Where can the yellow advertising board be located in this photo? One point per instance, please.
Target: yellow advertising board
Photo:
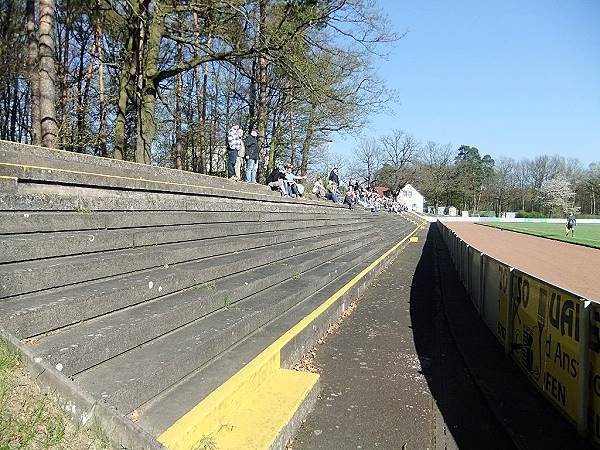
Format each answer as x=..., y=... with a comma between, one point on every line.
x=503, y=274
x=594, y=406
x=546, y=339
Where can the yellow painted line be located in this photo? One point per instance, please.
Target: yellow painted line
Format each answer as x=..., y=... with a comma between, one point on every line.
x=119, y=177
x=2, y=177
x=415, y=238
x=188, y=430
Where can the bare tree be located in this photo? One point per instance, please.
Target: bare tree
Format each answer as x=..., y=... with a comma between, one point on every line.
x=400, y=152
x=503, y=184
x=434, y=173
x=367, y=160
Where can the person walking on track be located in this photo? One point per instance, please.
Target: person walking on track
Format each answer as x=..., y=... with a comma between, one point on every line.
x=570, y=226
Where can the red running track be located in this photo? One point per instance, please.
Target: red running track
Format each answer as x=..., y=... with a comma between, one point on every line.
x=572, y=267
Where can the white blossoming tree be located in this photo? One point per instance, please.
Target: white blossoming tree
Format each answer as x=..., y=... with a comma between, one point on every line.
x=558, y=195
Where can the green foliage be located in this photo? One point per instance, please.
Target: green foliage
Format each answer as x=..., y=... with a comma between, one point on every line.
x=531, y=215
x=487, y=213
x=471, y=171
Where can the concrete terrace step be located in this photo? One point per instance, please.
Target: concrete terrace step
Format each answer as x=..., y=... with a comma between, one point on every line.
x=131, y=379
x=43, y=157
x=36, y=313
x=51, y=221
x=140, y=287
x=23, y=247
x=49, y=197
x=27, y=175
x=197, y=399
x=89, y=343
x=31, y=276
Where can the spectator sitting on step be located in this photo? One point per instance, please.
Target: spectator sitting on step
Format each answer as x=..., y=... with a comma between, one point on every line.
x=332, y=193
x=290, y=179
x=276, y=180
x=318, y=188
x=350, y=199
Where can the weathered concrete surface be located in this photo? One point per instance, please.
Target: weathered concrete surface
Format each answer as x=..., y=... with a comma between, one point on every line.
x=163, y=410
x=32, y=314
x=29, y=246
x=130, y=380
x=13, y=153
x=391, y=376
x=124, y=281
x=98, y=340
x=36, y=275
x=51, y=221
x=50, y=197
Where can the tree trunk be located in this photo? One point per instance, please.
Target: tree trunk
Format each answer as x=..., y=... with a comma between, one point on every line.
x=262, y=93
x=150, y=42
x=64, y=84
x=49, y=126
x=14, y=111
x=292, y=139
x=84, y=102
x=102, y=150
x=178, y=98
x=203, y=127
x=34, y=75
x=123, y=98
x=201, y=91
x=252, y=96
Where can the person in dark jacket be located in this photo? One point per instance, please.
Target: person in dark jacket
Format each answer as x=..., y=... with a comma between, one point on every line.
x=571, y=224
x=334, y=182
x=333, y=176
x=251, y=156
x=276, y=180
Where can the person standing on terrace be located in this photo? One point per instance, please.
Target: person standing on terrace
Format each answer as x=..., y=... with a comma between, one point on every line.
x=234, y=142
x=251, y=145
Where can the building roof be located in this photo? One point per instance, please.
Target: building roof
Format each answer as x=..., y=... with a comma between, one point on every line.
x=381, y=190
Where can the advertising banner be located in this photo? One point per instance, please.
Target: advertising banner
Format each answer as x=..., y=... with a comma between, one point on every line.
x=594, y=406
x=502, y=322
x=546, y=339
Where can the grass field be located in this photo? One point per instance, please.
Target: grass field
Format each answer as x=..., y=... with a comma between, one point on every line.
x=585, y=233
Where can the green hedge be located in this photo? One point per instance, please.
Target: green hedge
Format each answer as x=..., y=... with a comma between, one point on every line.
x=531, y=215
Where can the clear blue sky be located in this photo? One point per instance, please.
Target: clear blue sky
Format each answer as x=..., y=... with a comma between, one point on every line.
x=513, y=78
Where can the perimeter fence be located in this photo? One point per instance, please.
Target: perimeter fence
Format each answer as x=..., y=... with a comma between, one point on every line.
x=553, y=335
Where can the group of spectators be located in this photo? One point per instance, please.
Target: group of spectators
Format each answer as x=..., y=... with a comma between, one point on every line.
x=284, y=180
x=243, y=148
x=355, y=195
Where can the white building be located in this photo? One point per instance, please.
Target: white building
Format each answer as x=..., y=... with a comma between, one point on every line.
x=411, y=198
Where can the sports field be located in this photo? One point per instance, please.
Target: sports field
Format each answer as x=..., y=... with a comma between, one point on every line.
x=585, y=233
